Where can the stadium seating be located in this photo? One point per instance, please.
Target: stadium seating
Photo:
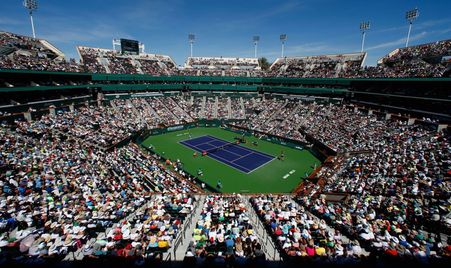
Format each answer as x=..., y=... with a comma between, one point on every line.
x=64, y=192
x=77, y=185
x=299, y=234
x=110, y=61
x=219, y=66
x=427, y=60
x=317, y=66
x=222, y=63
x=23, y=52
x=224, y=230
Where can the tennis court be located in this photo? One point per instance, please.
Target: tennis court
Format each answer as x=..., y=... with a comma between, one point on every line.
x=229, y=153
x=272, y=177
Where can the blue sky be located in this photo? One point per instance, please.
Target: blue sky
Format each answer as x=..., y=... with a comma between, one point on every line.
x=225, y=28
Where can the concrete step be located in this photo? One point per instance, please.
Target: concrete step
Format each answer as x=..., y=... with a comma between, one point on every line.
x=272, y=254
x=187, y=231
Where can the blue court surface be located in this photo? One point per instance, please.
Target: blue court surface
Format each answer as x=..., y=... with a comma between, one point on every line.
x=235, y=155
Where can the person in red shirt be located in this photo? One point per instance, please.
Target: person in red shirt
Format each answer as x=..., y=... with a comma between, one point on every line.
x=391, y=252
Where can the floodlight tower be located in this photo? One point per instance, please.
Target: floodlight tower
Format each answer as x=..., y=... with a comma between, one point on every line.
x=411, y=16
x=283, y=38
x=191, y=38
x=31, y=5
x=116, y=43
x=364, y=27
x=256, y=39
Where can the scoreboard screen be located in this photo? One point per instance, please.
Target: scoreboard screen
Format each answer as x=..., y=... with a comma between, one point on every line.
x=129, y=46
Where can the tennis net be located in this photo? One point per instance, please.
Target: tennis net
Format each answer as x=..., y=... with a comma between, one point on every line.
x=222, y=147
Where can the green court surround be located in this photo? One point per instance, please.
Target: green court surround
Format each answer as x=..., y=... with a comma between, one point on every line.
x=269, y=178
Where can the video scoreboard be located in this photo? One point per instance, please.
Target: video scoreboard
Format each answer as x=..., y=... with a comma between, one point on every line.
x=129, y=46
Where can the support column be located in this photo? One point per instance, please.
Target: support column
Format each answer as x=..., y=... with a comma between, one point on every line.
x=27, y=116
x=99, y=99
x=441, y=127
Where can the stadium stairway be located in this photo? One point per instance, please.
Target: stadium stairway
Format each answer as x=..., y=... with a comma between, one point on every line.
x=114, y=107
x=168, y=109
x=277, y=111
x=181, y=110
x=216, y=107
x=79, y=253
x=304, y=120
x=105, y=63
x=137, y=65
x=202, y=113
x=294, y=111
x=135, y=111
x=229, y=108
x=272, y=254
x=180, y=248
x=130, y=104
x=242, y=107
x=151, y=109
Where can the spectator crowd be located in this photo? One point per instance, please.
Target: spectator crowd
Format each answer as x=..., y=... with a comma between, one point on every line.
x=223, y=234
x=427, y=60
x=67, y=188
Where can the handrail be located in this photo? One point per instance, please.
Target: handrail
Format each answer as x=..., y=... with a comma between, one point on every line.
x=168, y=258
x=181, y=235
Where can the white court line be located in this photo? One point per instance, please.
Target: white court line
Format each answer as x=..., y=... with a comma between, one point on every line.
x=242, y=157
x=208, y=136
x=207, y=142
x=251, y=151
x=239, y=155
x=217, y=147
x=225, y=161
x=233, y=153
x=248, y=149
x=264, y=164
x=195, y=146
x=250, y=170
x=228, y=163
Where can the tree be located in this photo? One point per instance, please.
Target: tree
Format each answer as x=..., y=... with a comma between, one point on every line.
x=264, y=64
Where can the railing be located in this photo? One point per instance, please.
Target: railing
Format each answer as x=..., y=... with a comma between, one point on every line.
x=168, y=258
x=266, y=239
x=182, y=232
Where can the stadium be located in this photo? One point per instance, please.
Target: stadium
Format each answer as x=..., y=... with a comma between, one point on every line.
x=128, y=158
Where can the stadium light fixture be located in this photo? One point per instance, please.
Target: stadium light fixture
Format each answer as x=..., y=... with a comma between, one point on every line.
x=116, y=42
x=364, y=27
x=283, y=39
x=256, y=39
x=411, y=16
x=191, y=38
x=31, y=5
x=142, y=48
